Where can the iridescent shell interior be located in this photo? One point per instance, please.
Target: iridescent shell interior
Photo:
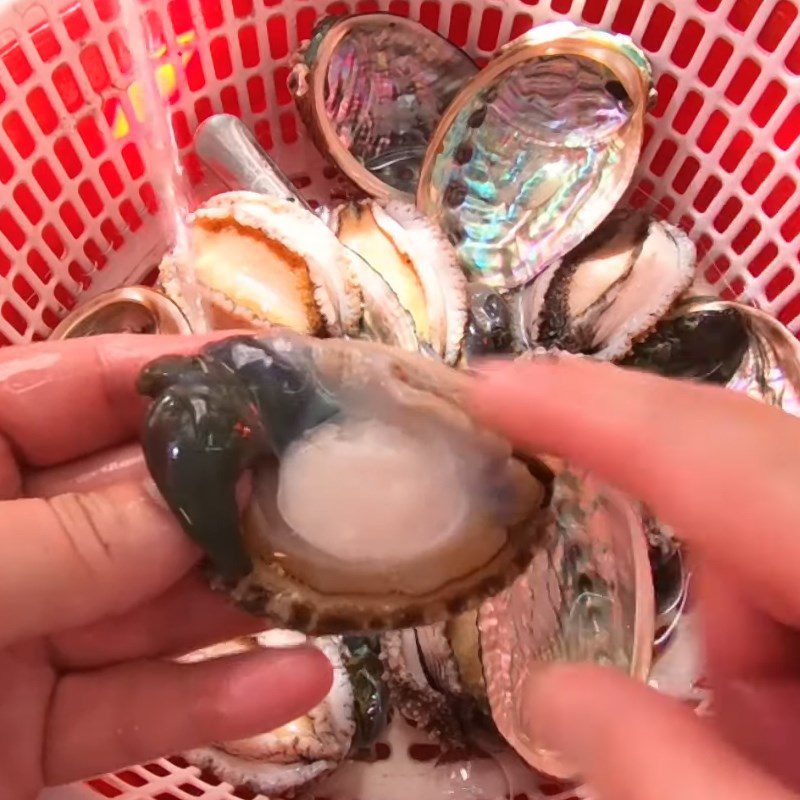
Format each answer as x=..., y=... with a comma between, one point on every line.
x=534, y=159
x=387, y=83
x=586, y=597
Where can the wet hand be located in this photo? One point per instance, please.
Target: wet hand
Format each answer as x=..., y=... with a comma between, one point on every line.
x=99, y=587
x=724, y=472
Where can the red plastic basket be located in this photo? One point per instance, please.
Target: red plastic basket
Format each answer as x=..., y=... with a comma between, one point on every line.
x=80, y=210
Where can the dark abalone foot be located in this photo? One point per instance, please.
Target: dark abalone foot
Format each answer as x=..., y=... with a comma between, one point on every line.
x=707, y=346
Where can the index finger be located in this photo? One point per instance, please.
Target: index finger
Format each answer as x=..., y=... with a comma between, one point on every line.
x=721, y=468
x=66, y=399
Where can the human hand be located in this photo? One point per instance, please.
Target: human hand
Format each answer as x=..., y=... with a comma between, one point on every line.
x=99, y=585
x=724, y=472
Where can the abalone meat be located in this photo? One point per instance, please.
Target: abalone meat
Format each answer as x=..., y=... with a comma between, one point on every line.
x=284, y=760
x=259, y=260
x=610, y=290
x=376, y=503
x=418, y=263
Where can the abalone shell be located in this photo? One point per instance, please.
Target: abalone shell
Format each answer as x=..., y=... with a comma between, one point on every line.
x=536, y=151
x=372, y=88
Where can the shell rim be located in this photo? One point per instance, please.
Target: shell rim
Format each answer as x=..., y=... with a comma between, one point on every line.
x=644, y=620
x=575, y=41
x=165, y=313
x=353, y=169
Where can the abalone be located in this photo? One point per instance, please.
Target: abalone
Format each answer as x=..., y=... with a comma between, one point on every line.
x=610, y=290
x=371, y=89
x=725, y=343
x=418, y=264
x=536, y=150
x=377, y=502
x=258, y=260
x=281, y=761
x=131, y=309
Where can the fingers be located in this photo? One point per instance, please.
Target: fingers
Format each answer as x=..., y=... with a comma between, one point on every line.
x=740, y=640
x=77, y=558
x=720, y=468
x=115, y=465
x=62, y=400
x=762, y=718
x=186, y=617
x=122, y=715
x=630, y=743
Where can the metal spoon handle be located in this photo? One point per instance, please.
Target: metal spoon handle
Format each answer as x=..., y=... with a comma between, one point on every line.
x=228, y=148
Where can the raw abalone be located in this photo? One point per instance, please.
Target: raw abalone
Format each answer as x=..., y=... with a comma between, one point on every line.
x=536, y=150
x=231, y=151
x=260, y=260
x=417, y=262
x=371, y=89
x=610, y=290
x=587, y=596
x=413, y=690
x=435, y=678
x=376, y=503
x=726, y=343
x=281, y=761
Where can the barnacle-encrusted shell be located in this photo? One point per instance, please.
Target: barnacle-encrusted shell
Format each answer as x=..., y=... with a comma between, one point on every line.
x=536, y=150
x=417, y=262
x=587, y=596
x=263, y=260
x=370, y=89
x=611, y=289
x=281, y=761
x=396, y=510
x=727, y=343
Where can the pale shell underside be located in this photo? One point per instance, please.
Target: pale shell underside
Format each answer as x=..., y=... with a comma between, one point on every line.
x=418, y=513
x=531, y=165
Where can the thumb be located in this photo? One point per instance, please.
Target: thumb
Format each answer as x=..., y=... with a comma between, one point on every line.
x=630, y=743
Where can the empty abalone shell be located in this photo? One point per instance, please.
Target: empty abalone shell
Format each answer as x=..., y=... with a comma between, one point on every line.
x=536, y=150
x=371, y=89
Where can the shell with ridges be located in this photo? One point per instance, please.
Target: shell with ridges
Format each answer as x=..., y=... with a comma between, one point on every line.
x=377, y=138
x=587, y=596
x=536, y=150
